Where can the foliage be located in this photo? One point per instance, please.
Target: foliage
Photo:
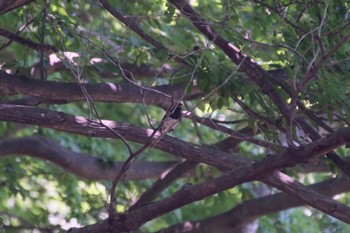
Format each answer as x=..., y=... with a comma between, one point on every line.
x=291, y=36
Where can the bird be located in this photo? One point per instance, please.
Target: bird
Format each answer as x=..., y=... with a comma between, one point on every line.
x=170, y=121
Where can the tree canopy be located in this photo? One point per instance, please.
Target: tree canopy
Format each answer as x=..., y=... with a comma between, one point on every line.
x=87, y=88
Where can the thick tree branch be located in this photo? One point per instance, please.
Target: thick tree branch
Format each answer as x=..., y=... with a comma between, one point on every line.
x=80, y=125
x=179, y=170
x=235, y=170
x=79, y=164
x=140, y=71
x=60, y=92
x=254, y=71
x=189, y=193
x=249, y=210
x=244, y=170
x=83, y=126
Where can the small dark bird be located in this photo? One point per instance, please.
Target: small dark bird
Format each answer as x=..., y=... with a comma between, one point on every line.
x=171, y=121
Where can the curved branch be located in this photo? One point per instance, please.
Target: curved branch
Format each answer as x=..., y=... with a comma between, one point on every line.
x=79, y=164
x=178, y=171
x=81, y=125
x=250, y=210
x=243, y=171
x=188, y=193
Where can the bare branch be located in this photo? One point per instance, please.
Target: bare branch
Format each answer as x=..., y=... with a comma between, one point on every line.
x=252, y=209
x=189, y=193
x=60, y=92
x=80, y=164
x=244, y=169
x=30, y=44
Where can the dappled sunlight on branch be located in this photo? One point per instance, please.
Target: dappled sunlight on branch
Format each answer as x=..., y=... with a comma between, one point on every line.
x=177, y=116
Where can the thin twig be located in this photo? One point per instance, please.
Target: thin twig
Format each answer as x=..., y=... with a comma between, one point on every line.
x=311, y=75
x=43, y=73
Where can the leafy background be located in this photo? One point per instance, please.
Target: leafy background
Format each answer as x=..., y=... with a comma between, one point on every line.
x=36, y=191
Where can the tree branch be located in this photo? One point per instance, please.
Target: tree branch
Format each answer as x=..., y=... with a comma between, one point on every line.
x=252, y=209
x=189, y=193
x=243, y=169
x=135, y=27
x=79, y=164
x=254, y=71
x=7, y=6
x=243, y=61
x=171, y=175
x=232, y=133
x=62, y=92
x=30, y=44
